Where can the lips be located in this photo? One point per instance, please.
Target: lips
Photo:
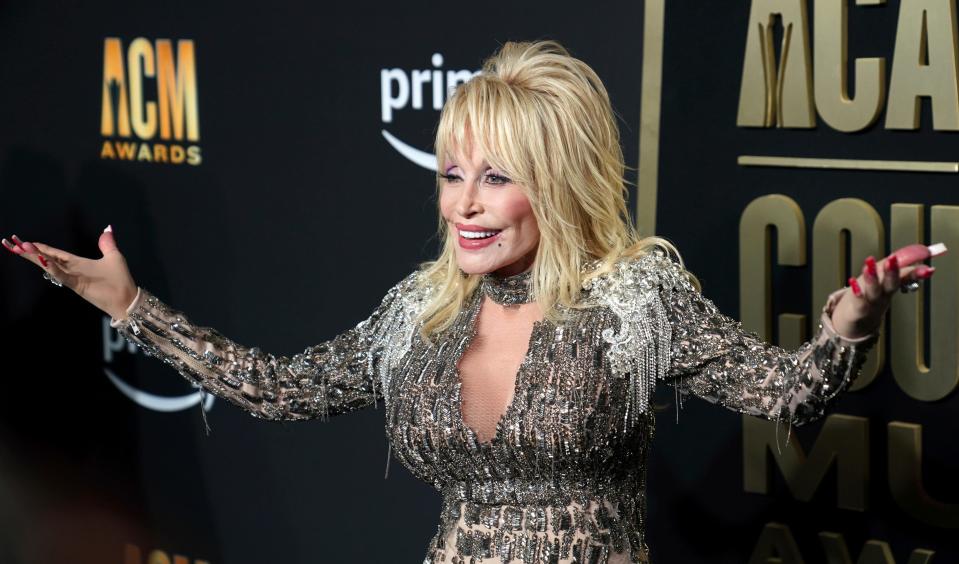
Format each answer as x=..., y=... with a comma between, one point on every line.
x=477, y=243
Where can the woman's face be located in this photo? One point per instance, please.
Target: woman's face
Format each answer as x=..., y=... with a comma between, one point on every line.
x=489, y=215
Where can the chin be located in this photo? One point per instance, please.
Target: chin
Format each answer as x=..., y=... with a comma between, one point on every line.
x=470, y=267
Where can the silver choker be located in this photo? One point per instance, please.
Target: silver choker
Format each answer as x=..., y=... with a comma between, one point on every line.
x=510, y=290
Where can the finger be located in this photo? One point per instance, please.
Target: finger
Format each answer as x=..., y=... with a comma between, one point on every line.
x=25, y=250
x=916, y=273
x=11, y=247
x=107, y=242
x=870, y=280
x=854, y=286
x=911, y=254
x=890, y=277
x=55, y=253
x=923, y=272
x=18, y=242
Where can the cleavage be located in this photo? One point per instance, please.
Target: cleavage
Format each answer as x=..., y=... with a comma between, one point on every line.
x=488, y=367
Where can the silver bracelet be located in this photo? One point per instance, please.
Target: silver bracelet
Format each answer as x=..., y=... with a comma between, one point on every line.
x=52, y=279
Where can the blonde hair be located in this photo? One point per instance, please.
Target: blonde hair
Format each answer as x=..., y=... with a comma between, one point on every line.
x=545, y=119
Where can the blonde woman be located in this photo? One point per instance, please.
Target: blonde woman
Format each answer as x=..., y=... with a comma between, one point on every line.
x=516, y=369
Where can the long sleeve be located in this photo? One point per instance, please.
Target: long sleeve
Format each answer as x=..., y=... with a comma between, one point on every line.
x=714, y=358
x=333, y=377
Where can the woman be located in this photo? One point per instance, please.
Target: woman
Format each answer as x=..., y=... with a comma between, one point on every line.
x=516, y=368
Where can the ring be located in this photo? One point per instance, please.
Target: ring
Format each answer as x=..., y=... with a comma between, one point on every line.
x=52, y=279
x=909, y=287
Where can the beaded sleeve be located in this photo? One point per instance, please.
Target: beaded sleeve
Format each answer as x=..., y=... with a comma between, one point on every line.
x=714, y=358
x=343, y=374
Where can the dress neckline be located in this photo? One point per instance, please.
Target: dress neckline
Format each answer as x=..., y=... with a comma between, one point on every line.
x=519, y=378
x=508, y=290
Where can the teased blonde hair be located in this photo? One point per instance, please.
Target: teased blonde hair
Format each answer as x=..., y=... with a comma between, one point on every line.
x=545, y=119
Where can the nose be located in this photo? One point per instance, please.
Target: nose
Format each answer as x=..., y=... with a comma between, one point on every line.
x=468, y=205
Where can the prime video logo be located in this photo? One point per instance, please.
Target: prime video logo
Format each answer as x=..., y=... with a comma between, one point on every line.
x=400, y=89
x=114, y=343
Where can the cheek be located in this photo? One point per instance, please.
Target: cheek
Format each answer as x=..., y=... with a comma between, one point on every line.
x=519, y=211
x=520, y=214
x=446, y=203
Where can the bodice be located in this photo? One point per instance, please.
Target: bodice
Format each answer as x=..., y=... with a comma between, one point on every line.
x=564, y=478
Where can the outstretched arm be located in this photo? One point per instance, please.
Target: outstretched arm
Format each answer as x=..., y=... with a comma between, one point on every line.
x=333, y=377
x=714, y=358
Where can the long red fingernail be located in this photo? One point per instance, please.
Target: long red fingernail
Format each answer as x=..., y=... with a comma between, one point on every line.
x=5, y=242
x=871, y=266
x=43, y=261
x=925, y=272
x=893, y=263
x=17, y=242
x=854, y=284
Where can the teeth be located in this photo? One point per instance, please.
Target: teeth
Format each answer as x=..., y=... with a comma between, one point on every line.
x=477, y=234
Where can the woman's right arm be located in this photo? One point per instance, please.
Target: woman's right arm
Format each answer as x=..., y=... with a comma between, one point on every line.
x=333, y=377
x=339, y=375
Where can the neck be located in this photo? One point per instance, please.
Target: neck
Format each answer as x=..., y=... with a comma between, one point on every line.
x=514, y=289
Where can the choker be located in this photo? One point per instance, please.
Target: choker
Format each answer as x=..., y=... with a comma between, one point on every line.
x=509, y=290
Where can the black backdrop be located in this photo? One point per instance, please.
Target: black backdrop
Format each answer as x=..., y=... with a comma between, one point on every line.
x=297, y=219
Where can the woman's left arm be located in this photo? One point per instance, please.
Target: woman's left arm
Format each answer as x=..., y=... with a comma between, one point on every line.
x=713, y=357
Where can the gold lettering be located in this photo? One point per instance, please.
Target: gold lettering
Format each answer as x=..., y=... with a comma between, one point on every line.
x=158, y=557
x=854, y=223
x=776, y=545
x=770, y=93
x=924, y=64
x=126, y=150
x=159, y=153
x=177, y=90
x=938, y=379
x=843, y=439
x=761, y=216
x=141, y=64
x=831, y=36
x=873, y=552
x=144, y=154
x=114, y=91
x=106, y=151
x=193, y=156
x=905, y=478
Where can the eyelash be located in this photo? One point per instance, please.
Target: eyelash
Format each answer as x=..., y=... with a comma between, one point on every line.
x=500, y=179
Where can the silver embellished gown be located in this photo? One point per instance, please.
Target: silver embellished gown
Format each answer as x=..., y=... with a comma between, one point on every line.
x=564, y=478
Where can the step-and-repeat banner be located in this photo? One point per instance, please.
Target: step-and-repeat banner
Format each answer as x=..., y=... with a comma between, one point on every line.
x=267, y=169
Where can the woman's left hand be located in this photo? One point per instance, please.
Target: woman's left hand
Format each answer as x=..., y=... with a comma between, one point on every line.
x=867, y=298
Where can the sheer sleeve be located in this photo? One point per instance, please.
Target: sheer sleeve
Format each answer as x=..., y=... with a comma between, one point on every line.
x=714, y=358
x=330, y=378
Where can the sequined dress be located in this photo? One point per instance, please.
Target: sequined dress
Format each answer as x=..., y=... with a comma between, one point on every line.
x=564, y=478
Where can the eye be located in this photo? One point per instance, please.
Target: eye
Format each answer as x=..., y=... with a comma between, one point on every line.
x=497, y=179
x=449, y=177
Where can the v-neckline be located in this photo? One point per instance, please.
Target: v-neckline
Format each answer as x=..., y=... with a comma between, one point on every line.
x=472, y=323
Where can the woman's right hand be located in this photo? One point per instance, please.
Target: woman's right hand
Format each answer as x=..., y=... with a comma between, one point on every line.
x=105, y=282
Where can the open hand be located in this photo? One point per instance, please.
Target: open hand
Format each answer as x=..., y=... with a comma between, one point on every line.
x=105, y=282
x=860, y=311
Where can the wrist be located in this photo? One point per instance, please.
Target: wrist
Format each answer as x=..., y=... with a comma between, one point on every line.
x=125, y=304
x=851, y=317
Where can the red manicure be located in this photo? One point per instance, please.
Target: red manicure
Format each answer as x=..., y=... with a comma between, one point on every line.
x=925, y=272
x=871, y=266
x=43, y=261
x=892, y=263
x=854, y=284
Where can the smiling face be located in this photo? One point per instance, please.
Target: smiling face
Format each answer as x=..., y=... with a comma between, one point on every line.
x=489, y=216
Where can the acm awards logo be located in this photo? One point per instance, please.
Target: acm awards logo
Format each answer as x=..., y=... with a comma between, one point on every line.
x=150, y=109
x=401, y=89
